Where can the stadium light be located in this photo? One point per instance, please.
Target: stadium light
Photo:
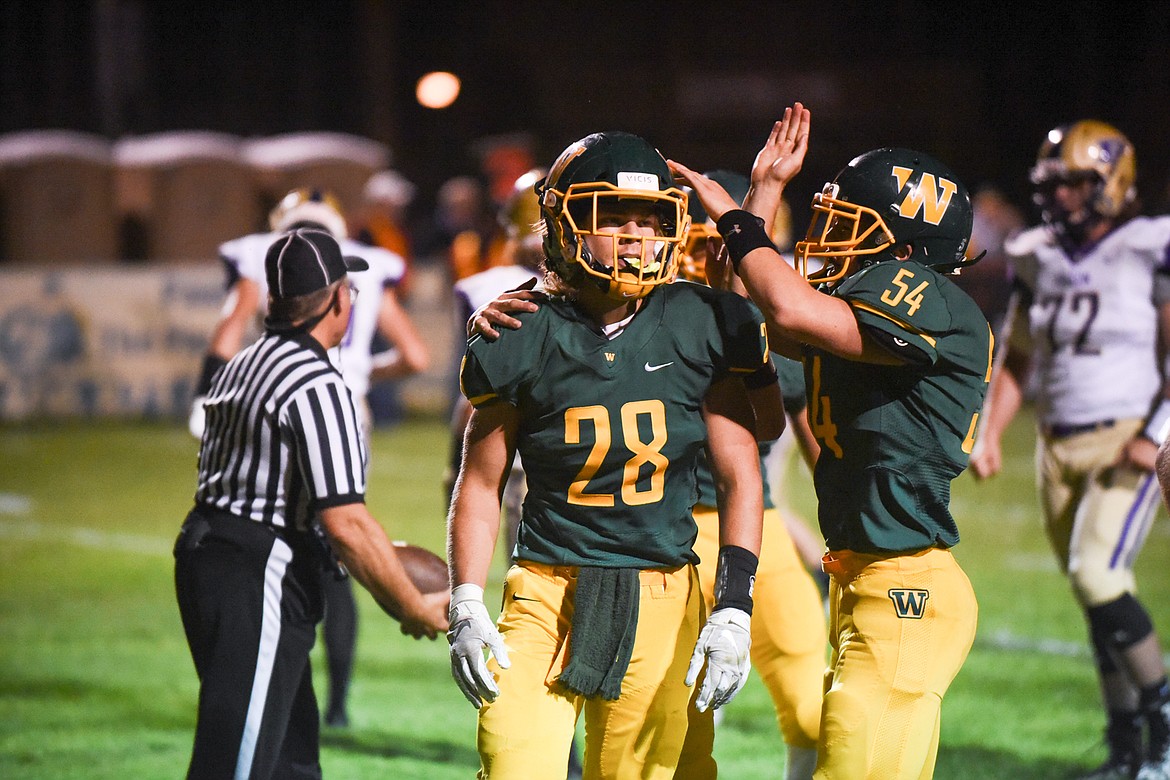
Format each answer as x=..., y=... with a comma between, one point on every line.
x=437, y=89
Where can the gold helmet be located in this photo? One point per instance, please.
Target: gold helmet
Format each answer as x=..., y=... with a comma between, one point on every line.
x=693, y=265
x=699, y=247
x=606, y=171
x=308, y=205
x=1085, y=150
x=521, y=221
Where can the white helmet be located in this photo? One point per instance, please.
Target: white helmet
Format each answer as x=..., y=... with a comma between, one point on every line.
x=308, y=205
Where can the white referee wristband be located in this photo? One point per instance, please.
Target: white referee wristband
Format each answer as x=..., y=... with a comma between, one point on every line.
x=1158, y=423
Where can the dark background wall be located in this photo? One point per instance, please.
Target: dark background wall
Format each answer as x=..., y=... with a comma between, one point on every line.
x=975, y=84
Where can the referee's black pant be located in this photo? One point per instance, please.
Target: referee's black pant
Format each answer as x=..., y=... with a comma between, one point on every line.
x=250, y=602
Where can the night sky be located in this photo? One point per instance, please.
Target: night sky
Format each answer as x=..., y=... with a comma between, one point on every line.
x=976, y=85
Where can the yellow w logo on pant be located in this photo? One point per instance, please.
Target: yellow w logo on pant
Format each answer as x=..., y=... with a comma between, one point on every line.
x=910, y=604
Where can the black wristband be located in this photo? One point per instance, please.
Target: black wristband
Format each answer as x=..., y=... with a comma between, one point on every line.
x=211, y=364
x=763, y=376
x=742, y=232
x=735, y=578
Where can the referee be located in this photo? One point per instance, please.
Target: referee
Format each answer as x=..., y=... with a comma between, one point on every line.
x=281, y=493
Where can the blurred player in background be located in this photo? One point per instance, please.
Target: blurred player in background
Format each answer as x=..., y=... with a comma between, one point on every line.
x=897, y=360
x=608, y=392
x=1092, y=319
x=376, y=308
x=788, y=624
x=383, y=219
x=520, y=218
x=464, y=230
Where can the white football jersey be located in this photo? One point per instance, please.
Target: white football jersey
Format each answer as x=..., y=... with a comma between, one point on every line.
x=1093, y=320
x=245, y=256
x=476, y=290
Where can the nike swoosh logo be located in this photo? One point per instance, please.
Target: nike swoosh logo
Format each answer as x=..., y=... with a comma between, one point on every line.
x=649, y=367
x=900, y=343
x=516, y=597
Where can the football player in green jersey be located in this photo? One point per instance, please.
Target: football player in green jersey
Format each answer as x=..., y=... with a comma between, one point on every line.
x=897, y=360
x=608, y=393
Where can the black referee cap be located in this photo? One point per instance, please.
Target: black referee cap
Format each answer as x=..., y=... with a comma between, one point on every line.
x=306, y=260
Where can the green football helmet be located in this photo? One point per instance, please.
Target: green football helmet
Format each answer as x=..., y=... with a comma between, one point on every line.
x=608, y=171
x=881, y=200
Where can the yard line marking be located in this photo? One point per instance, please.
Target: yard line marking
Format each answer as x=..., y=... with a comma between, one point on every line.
x=28, y=530
x=1035, y=561
x=1006, y=640
x=15, y=504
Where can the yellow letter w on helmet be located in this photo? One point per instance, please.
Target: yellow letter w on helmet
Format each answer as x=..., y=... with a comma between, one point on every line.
x=928, y=197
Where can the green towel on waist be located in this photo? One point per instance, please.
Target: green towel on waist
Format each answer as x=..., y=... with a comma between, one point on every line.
x=601, y=638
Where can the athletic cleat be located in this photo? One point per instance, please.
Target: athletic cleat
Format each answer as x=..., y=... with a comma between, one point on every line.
x=1157, y=763
x=1155, y=770
x=1123, y=736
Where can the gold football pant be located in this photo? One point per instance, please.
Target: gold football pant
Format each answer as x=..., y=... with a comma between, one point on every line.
x=900, y=629
x=527, y=731
x=788, y=638
x=1096, y=516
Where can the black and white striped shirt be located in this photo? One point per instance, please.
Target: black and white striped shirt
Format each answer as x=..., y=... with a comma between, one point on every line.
x=282, y=440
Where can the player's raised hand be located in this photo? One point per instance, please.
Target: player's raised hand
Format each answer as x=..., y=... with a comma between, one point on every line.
x=783, y=153
x=716, y=202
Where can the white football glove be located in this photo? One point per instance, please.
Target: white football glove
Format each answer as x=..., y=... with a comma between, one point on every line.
x=198, y=419
x=725, y=643
x=471, y=631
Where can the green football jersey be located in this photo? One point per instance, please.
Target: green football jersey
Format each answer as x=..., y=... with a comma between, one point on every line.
x=610, y=428
x=791, y=380
x=893, y=437
x=791, y=377
x=705, y=480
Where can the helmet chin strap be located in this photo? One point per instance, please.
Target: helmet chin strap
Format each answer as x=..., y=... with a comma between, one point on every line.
x=603, y=284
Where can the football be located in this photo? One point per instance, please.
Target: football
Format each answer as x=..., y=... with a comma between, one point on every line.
x=426, y=570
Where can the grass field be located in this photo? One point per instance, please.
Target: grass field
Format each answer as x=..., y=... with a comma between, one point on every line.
x=96, y=681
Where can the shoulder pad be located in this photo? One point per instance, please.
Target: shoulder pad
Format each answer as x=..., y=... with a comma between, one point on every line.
x=1028, y=241
x=904, y=293
x=1148, y=234
x=384, y=263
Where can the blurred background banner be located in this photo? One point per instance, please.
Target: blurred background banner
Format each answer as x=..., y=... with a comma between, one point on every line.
x=116, y=341
x=128, y=341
